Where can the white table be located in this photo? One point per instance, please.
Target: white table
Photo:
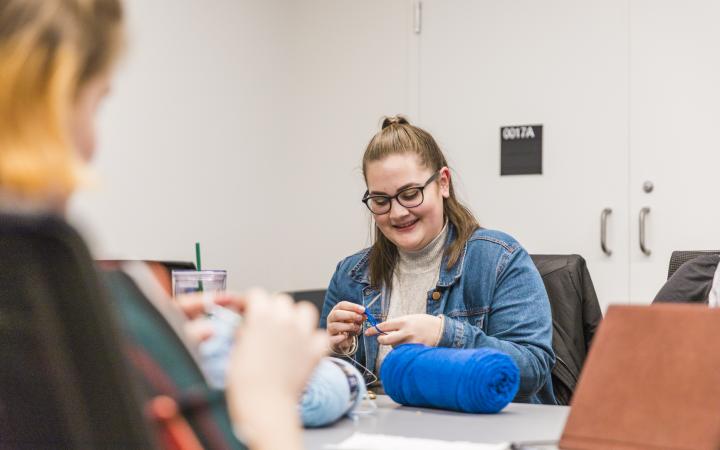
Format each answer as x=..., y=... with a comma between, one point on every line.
x=518, y=422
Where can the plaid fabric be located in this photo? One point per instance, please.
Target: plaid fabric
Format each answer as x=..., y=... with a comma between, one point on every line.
x=166, y=367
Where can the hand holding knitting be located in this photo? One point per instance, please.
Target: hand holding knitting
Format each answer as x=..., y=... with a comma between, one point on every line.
x=411, y=329
x=344, y=321
x=195, y=306
x=277, y=348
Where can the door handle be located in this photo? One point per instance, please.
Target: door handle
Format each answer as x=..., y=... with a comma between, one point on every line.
x=643, y=214
x=603, y=231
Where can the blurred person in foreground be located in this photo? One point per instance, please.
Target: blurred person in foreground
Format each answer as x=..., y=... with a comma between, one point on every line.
x=56, y=64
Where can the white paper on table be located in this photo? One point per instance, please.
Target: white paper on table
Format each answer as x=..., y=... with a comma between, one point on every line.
x=364, y=441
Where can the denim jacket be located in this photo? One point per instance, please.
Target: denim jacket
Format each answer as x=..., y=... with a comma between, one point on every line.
x=492, y=297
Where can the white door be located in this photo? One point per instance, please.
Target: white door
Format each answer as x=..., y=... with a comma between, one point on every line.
x=563, y=64
x=675, y=111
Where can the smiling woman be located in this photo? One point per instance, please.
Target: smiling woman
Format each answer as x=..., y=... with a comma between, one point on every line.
x=440, y=278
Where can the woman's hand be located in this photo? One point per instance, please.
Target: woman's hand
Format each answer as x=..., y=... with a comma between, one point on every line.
x=277, y=347
x=344, y=321
x=411, y=329
x=196, y=305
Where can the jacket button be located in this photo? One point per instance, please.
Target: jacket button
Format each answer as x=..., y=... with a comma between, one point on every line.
x=436, y=295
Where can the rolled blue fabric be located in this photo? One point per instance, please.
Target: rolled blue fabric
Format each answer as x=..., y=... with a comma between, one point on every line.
x=335, y=389
x=470, y=380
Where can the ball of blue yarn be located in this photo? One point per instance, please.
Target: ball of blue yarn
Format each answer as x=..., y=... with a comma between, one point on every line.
x=335, y=388
x=473, y=380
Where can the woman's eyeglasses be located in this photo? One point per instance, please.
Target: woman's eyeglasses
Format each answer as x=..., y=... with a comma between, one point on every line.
x=410, y=197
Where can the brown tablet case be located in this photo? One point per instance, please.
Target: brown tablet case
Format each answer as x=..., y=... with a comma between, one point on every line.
x=651, y=381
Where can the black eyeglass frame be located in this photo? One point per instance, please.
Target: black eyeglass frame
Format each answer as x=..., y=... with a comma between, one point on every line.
x=367, y=197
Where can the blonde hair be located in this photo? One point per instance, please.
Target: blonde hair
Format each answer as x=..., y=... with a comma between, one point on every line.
x=398, y=136
x=49, y=49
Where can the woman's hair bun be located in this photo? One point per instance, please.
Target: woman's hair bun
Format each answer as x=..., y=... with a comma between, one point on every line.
x=394, y=120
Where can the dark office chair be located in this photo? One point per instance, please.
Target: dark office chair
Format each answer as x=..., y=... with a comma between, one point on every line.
x=690, y=277
x=576, y=315
x=316, y=297
x=680, y=257
x=177, y=265
x=63, y=380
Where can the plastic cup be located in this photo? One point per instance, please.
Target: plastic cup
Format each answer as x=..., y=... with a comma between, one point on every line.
x=214, y=351
x=188, y=281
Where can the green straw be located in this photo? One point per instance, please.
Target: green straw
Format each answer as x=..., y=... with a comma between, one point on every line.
x=198, y=262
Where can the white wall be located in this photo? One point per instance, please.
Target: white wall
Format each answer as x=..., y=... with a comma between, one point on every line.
x=349, y=68
x=241, y=124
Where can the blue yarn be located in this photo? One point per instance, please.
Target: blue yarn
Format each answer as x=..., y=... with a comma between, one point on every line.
x=215, y=351
x=335, y=388
x=475, y=380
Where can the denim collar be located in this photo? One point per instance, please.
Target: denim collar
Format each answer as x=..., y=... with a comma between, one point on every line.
x=361, y=271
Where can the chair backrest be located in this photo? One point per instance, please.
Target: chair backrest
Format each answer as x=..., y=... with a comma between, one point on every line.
x=316, y=297
x=680, y=257
x=576, y=315
x=63, y=379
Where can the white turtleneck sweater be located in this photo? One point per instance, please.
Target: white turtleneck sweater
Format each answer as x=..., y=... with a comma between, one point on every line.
x=415, y=275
